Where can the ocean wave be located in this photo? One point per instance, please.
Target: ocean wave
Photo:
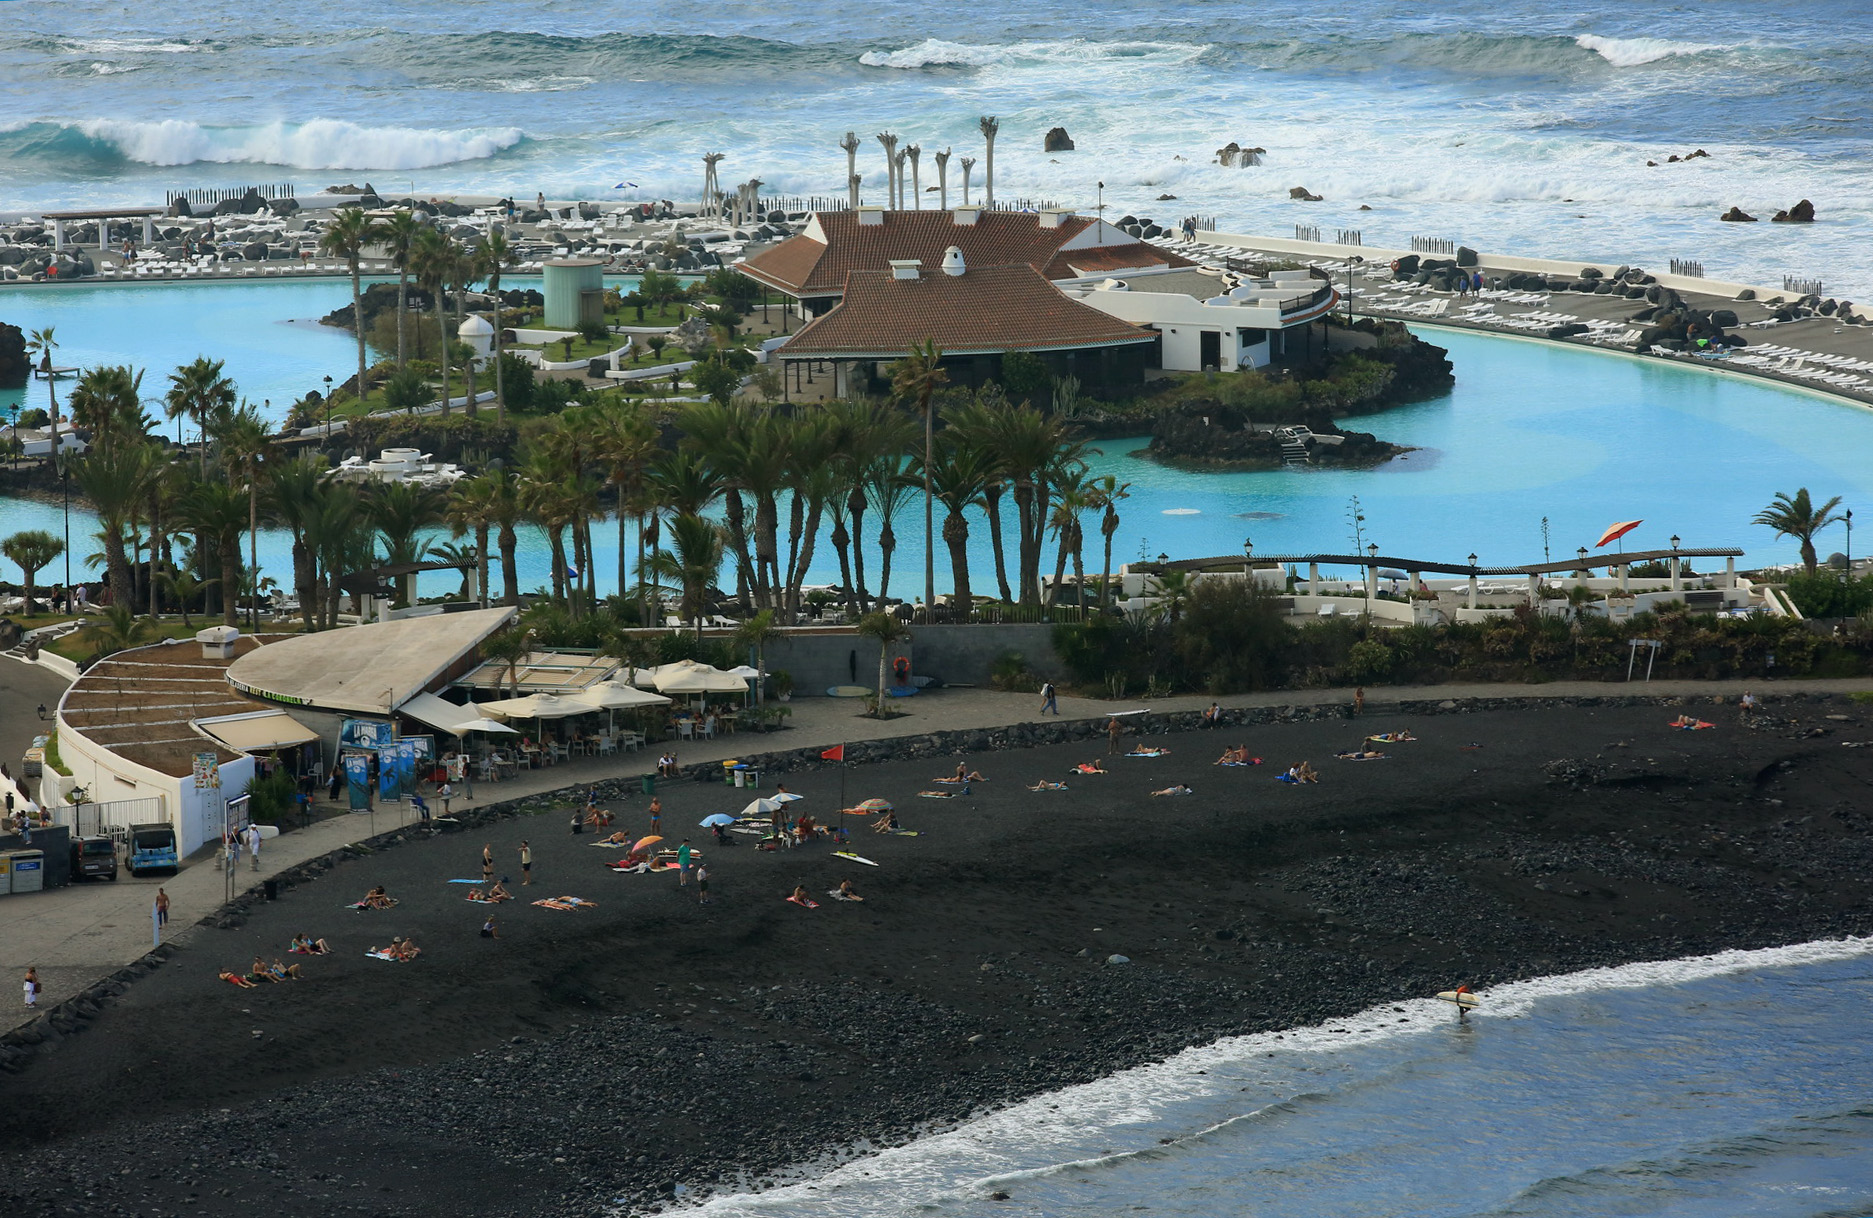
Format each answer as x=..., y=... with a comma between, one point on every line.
x=1637, y=52
x=112, y=69
x=318, y=144
x=134, y=46
x=938, y=53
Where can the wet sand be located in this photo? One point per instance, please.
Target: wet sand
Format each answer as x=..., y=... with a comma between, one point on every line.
x=618, y=1052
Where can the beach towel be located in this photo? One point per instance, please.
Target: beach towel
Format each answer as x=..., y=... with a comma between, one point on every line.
x=836, y=895
x=386, y=956
x=608, y=845
x=1049, y=786
x=902, y=833
x=1241, y=765
x=635, y=869
x=1392, y=738
x=1359, y=757
x=857, y=858
x=1691, y=725
x=360, y=906
x=466, y=881
x=549, y=903
x=807, y=904
x=1290, y=779
x=1149, y=753
x=939, y=794
x=1083, y=768
x=955, y=782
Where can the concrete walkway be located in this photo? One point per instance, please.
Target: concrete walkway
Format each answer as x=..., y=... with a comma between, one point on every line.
x=78, y=934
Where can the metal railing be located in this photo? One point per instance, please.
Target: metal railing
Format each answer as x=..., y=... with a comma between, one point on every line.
x=111, y=819
x=1307, y=232
x=211, y=196
x=1433, y=245
x=1687, y=266
x=1349, y=236
x=1800, y=286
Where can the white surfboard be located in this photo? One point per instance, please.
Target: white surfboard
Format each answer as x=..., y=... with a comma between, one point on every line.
x=1466, y=1000
x=856, y=858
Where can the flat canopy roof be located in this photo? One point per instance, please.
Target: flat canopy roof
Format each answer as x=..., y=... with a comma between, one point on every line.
x=104, y=213
x=539, y=672
x=260, y=732
x=370, y=669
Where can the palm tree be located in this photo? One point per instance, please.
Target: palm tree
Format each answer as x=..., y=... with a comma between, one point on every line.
x=624, y=442
x=961, y=474
x=345, y=236
x=341, y=538
x=431, y=257
x=201, y=393
x=916, y=378
x=184, y=586
x=219, y=513
x=693, y=563
x=399, y=237
x=42, y=344
x=989, y=127
x=1798, y=517
x=977, y=425
x=1110, y=492
x=400, y=511
x=1075, y=498
x=116, y=482
x=107, y=402
x=887, y=630
x=29, y=550
x=496, y=255
x=118, y=628
x=757, y=632
x=500, y=493
x=294, y=491
x=509, y=648
x=470, y=510
x=243, y=438
x=1173, y=593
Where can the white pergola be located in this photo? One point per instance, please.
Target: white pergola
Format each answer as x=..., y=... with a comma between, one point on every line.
x=104, y=216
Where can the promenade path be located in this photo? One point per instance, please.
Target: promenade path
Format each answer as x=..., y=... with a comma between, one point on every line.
x=76, y=935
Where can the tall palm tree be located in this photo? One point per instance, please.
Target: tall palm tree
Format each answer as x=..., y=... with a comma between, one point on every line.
x=623, y=442
x=118, y=628
x=1110, y=493
x=399, y=237
x=977, y=425
x=115, y=481
x=497, y=253
x=887, y=630
x=693, y=562
x=244, y=440
x=294, y=491
x=961, y=473
x=1074, y=498
x=1800, y=518
x=201, y=393
x=470, y=510
x=915, y=379
x=184, y=587
x=887, y=488
x=219, y=512
x=30, y=550
x=431, y=259
x=41, y=344
x=342, y=539
x=401, y=511
x=756, y=633
x=509, y=648
x=345, y=236
x=496, y=493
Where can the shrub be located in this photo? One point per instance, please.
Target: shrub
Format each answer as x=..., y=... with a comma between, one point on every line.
x=1231, y=637
x=269, y=799
x=1010, y=672
x=1369, y=660
x=1827, y=594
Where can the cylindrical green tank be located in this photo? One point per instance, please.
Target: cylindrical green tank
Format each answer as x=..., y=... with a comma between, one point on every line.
x=575, y=292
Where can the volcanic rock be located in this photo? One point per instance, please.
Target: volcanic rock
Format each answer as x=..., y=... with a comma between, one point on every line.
x=1057, y=140
x=1737, y=215
x=1801, y=213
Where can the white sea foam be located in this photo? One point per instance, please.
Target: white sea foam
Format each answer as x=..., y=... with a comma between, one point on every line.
x=112, y=69
x=938, y=53
x=1637, y=52
x=319, y=144
x=1050, y=1133
x=133, y=46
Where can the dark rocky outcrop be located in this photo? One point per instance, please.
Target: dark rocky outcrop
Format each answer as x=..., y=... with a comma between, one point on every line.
x=1057, y=140
x=14, y=366
x=1801, y=213
x=1737, y=215
x=1303, y=194
x=1234, y=156
x=378, y=298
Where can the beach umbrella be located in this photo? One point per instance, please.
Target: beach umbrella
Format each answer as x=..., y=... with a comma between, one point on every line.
x=642, y=842
x=720, y=818
x=536, y=706
x=762, y=807
x=689, y=677
x=483, y=725
x=745, y=672
x=1616, y=531
x=617, y=695
x=786, y=797
x=874, y=805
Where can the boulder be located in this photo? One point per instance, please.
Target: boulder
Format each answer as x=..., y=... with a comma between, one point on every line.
x=252, y=202
x=283, y=207
x=1723, y=317
x=1057, y=140
x=14, y=366
x=1406, y=266
x=1827, y=308
x=1303, y=194
x=227, y=207
x=181, y=208
x=1466, y=256
x=254, y=251
x=1746, y=294
x=1592, y=272
x=12, y=255
x=1801, y=213
x=1737, y=215
x=1165, y=198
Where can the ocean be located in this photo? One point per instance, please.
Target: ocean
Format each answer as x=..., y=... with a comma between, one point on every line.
x=1710, y=1087
x=1511, y=127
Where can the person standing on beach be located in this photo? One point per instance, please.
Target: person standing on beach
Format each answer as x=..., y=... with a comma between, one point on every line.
x=656, y=815
x=487, y=863
x=1112, y=734
x=526, y=863
x=162, y=908
x=253, y=845
x=683, y=864
x=702, y=885
x=1047, y=698
x=1359, y=701
x=32, y=987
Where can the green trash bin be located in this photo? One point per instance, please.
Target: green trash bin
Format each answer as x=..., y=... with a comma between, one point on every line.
x=650, y=784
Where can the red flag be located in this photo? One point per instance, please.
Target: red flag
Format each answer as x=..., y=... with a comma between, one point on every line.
x=835, y=753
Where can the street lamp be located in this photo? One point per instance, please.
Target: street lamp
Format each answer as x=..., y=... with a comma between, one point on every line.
x=328, y=404
x=64, y=466
x=1350, y=263
x=1473, y=558
x=1163, y=558
x=1372, y=551
x=1848, y=517
x=1674, y=541
x=1248, y=554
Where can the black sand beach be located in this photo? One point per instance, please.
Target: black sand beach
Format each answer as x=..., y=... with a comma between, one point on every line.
x=611, y=1054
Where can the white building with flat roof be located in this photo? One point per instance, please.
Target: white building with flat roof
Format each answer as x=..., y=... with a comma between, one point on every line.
x=1213, y=320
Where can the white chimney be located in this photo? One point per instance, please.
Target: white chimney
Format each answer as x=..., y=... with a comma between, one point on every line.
x=870, y=213
x=966, y=215
x=1052, y=216
x=953, y=261
x=906, y=268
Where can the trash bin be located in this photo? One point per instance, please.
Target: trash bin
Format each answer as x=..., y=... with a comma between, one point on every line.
x=650, y=784
x=741, y=775
x=6, y=874
x=272, y=889
x=29, y=870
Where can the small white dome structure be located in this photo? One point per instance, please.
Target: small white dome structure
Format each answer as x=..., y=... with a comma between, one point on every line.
x=953, y=261
x=477, y=333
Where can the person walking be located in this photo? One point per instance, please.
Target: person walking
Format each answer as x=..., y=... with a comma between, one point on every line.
x=1359, y=701
x=487, y=863
x=1112, y=734
x=683, y=864
x=526, y=863
x=1047, y=698
x=702, y=884
x=234, y=850
x=32, y=987
x=162, y=908
x=656, y=815
x=253, y=845
x=445, y=793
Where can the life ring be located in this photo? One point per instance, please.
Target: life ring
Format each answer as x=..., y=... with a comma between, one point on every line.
x=1394, y=265
x=900, y=668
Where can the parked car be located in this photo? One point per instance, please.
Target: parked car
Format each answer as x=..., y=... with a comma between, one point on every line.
x=94, y=858
x=152, y=848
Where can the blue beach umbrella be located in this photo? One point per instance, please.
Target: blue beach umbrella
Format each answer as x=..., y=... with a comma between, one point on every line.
x=720, y=818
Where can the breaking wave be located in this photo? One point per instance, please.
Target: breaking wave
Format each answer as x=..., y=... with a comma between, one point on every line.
x=937, y=53
x=318, y=144
x=1637, y=52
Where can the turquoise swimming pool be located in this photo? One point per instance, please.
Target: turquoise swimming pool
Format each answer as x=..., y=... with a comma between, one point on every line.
x=1531, y=430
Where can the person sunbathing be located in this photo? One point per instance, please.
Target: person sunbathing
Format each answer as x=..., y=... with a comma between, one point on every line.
x=1178, y=789
x=617, y=839
x=1090, y=767
x=306, y=945
x=499, y=892
x=1045, y=785
x=1361, y=755
x=237, y=979
x=263, y=972
x=404, y=949
x=964, y=774
x=885, y=824
x=1149, y=752
x=799, y=894
x=283, y=971
x=475, y=894
x=1305, y=772
x=846, y=892
x=377, y=898
x=1236, y=756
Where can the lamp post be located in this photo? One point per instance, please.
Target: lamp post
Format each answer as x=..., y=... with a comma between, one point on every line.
x=1372, y=574
x=1350, y=263
x=1248, y=557
x=1675, y=568
x=1848, y=517
x=1472, y=579
x=13, y=443
x=64, y=466
x=328, y=404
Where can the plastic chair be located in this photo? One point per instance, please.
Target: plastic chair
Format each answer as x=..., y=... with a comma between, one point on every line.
x=708, y=728
x=685, y=729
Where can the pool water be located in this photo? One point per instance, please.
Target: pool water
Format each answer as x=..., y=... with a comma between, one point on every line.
x=1530, y=431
